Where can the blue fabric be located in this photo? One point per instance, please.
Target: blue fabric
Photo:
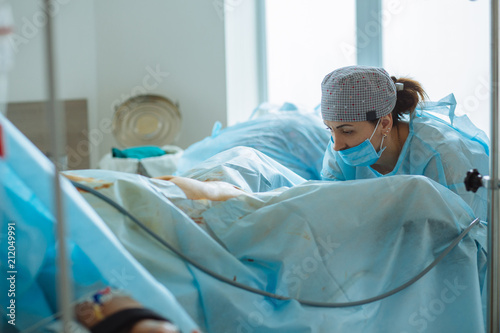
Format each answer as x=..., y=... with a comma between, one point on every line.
x=246, y=168
x=98, y=259
x=138, y=152
x=295, y=140
x=311, y=241
x=435, y=149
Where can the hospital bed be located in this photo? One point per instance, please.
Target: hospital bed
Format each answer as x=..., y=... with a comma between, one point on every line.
x=303, y=241
x=274, y=248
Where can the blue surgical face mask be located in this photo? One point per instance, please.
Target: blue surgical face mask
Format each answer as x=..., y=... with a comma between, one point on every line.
x=363, y=154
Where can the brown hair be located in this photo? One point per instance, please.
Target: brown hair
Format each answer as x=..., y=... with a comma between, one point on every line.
x=408, y=98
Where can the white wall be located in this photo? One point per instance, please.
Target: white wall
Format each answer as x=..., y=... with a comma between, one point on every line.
x=75, y=50
x=75, y=54
x=182, y=38
x=27, y=78
x=107, y=49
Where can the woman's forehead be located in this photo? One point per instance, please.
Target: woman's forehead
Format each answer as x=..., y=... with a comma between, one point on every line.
x=340, y=124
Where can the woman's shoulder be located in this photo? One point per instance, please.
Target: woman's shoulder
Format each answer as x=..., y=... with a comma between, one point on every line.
x=450, y=144
x=447, y=144
x=425, y=123
x=440, y=133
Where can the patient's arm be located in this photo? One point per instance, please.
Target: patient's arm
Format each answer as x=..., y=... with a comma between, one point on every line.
x=86, y=314
x=196, y=190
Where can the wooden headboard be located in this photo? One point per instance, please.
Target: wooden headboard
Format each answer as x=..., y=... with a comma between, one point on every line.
x=31, y=120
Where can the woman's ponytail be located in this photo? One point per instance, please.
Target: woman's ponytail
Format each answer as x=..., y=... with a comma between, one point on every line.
x=408, y=98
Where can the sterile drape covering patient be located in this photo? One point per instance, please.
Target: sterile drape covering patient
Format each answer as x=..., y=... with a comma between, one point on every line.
x=379, y=129
x=311, y=241
x=294, y=139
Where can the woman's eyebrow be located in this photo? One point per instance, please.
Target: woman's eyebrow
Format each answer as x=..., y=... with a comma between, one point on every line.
x=343, y=125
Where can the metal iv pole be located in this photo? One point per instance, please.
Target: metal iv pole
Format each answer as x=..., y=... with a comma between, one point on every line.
x=55, y=118
x=474, y=180
x=493, y=221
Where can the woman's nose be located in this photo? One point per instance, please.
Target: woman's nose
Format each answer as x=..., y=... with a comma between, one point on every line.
x=338, y=144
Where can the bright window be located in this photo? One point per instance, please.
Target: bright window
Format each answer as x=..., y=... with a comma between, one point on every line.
x=307, y=39
x=445, y=46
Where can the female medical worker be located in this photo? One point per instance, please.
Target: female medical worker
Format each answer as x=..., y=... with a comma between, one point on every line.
x=376, y=132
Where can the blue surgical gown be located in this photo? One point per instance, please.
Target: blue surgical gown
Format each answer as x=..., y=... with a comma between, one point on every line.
x=434, y=148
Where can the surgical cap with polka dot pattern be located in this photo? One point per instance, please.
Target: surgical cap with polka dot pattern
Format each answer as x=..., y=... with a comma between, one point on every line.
x=357, y=93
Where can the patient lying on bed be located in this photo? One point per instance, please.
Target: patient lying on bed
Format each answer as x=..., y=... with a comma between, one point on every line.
x=268, y=228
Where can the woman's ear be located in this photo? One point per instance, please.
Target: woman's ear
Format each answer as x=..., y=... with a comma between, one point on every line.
x=386, y=124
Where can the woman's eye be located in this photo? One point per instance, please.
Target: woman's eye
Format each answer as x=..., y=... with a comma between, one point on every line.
x=328, y=129
x=346, y=132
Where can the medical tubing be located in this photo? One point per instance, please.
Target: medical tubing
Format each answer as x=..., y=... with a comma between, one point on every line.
x=268, y=294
